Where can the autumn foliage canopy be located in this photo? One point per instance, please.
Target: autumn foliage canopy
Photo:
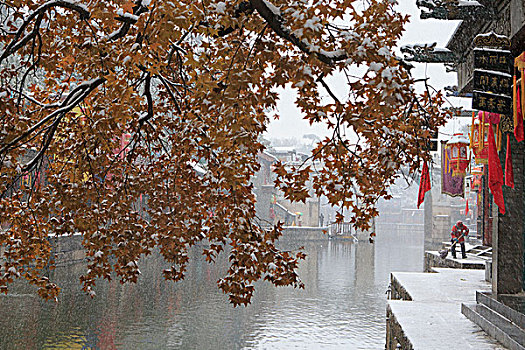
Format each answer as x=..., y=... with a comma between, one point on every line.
x=189, y=87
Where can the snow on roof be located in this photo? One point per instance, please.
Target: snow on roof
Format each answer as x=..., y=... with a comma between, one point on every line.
x=487, y=49
x=486, y=35
x=284, y=149
x=268, y=156
x=430, y=47
x=468, y=3
x=285, y=209
x=507, y=75
x=458, y=138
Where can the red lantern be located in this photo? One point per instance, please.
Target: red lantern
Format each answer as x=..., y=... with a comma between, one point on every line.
x=476, y=183
x=459, y=160
x=476, y=179
x=477, y=143
x=476, y=170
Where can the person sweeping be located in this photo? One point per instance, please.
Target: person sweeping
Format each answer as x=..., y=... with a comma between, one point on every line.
x=458, y=233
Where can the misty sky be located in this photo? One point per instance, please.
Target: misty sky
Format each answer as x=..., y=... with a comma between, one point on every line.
x=291, y=123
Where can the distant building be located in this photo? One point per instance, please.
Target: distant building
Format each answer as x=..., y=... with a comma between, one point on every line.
x=271, y=205
x=288, y=154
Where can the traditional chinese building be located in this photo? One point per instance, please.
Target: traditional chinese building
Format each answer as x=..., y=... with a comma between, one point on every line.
x=505, y=20
x=508, y=229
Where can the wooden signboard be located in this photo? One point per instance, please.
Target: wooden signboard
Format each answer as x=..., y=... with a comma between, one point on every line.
x=432, y=142
x=432, y=145
x=492, y=82
x=493, y=103
x=493, y=59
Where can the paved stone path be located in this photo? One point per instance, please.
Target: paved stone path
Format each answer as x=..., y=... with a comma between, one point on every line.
x=433, y=320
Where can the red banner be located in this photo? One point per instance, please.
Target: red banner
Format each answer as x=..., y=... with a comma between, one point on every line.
x=450, y=184
x=424, y=184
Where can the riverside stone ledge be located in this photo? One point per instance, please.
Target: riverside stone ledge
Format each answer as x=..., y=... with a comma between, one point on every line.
x=66, y=249
x=433, y=259
x=304, y=233
x=433, y=319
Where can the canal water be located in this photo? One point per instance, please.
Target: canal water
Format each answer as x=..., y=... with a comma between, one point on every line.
x=342, y=306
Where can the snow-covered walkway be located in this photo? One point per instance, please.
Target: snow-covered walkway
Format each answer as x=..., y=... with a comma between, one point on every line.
x=433, y=319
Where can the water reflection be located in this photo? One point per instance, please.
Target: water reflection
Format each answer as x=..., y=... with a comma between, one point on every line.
x=343, y=305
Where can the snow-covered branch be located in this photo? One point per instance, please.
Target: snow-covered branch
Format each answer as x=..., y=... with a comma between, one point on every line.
x=272, y=16
x=127, y=20
x=19, y=41
x=76, y=96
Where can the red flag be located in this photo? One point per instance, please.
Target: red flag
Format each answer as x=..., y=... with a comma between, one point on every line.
x=509, y=172
x=495, y=172
x=424, y=185
x=518, y=127
x=466, y=208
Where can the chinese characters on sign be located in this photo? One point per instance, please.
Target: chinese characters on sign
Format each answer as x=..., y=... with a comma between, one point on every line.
x=495, y=82
x=492, y=79
x=490, y=59
x=488, y=102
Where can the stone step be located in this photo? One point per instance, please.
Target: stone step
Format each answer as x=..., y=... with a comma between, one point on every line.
x=485, y=254
x=509, y=313
x=507, y=326
x=498, y=327
x=481, y=247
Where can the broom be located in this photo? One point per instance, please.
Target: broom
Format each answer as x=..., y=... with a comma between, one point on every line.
x=444, y=252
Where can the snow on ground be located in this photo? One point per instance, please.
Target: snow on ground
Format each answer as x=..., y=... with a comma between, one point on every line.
x=433, y=320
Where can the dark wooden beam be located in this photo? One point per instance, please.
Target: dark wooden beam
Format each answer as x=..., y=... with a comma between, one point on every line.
x=454, y=10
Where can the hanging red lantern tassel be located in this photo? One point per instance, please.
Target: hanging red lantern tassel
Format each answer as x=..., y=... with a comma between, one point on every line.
x=509, y=172
x=518, y=117
x=495, y=172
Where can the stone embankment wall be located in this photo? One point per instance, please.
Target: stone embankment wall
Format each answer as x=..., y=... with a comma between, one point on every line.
x=397, y=291
x=69, y=249
x=440, y=231
x=395, y=337
x=304, y=233
x=66, y=249
x=433, y=259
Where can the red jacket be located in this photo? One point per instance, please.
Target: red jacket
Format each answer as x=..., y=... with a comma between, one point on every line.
x=457, y=231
